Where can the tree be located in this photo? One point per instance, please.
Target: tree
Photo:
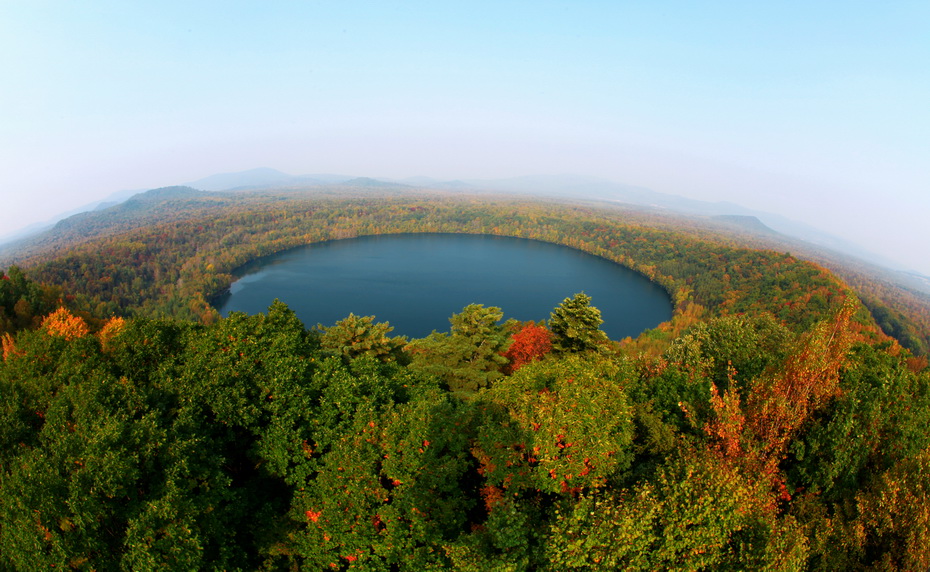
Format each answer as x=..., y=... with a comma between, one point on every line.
x=529, y=344
x=896, y=515
x=359, y=335
x=575, y=325
x=694, y=514
x=64, y=324
x=557, y=425
x=390, y=491
x=469, y=356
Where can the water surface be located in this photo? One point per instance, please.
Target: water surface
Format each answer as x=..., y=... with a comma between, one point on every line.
x=417, y=281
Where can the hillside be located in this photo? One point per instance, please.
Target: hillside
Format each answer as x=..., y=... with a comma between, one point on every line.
x=769, y=425
x=900, y=301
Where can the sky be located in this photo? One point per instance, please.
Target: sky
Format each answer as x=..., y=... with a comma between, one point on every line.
x=819, y=111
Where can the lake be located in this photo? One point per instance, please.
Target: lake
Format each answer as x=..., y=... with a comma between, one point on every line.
x=417, y=281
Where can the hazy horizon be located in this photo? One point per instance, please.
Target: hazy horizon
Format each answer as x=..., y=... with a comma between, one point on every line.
x=817, y=112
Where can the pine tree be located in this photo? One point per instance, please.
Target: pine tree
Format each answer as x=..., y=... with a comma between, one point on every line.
x=575, y=325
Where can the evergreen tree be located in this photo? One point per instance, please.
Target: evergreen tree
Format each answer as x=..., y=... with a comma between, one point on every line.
x=469, y=357
x=359, y=335
x=575, y=325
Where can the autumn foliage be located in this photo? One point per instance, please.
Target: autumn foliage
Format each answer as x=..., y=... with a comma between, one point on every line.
x=64, y=324
x=110, y=330
x=9, y=346
x=529, y=344
x=756, y=433
x=767, y=426
x=783, y=401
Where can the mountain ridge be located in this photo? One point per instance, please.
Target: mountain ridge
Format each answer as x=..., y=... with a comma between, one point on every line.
x=561, y=185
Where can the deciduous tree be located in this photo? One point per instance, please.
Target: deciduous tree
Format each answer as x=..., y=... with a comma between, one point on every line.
x=530, y=343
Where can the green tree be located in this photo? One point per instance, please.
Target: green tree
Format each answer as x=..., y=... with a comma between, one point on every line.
x=389, y=491
x=697, y=513
x=895, y=514
x=355, y=336
x=557, y=426
x=116, y=473
x=575, y=325
x=469, y=356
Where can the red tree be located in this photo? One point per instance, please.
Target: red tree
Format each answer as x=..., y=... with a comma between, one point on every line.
x=529, y=344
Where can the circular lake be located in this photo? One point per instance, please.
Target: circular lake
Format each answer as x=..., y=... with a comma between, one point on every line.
x=417, y=281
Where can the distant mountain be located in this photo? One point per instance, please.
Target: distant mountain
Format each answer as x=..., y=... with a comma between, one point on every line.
x=421, y=181
x=150, y=207
x=373, y=183
x=564, y=186
x=579, y=187
x=138, y=206
x=164, y=193
x=431, y=183
x=38, y=227
x=590, y=188
x=253, y=177
x=261, y=178
x=744, y=222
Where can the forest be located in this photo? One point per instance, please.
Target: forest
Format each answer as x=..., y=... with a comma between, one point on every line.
x=773, y=424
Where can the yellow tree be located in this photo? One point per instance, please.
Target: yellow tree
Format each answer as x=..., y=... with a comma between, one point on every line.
x=64, y=324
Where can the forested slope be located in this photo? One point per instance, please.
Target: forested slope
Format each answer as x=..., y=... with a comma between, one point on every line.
x=184, y=253
x=168, y=251
x=769, y=425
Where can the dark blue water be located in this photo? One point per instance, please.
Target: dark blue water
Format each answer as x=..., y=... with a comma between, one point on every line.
x=417, y=281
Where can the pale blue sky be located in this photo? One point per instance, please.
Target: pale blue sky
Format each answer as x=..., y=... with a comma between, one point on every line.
x=816, y=110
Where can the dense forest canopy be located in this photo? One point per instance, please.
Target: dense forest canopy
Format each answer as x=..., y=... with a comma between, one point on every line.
x=169, y=251
x=771, y=424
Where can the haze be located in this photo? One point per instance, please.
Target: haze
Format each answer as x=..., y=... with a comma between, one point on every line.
x=818, y=111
